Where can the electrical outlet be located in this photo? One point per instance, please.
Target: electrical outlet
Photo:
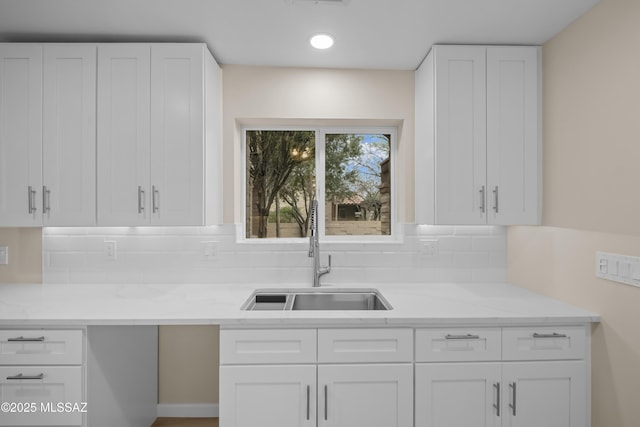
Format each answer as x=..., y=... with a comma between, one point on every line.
x=428, y=248
x=4, y=255
x=209, y=250
x=110, y=250
x=618, y=268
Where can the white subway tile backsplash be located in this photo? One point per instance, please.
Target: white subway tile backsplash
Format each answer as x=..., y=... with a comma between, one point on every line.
x=494, y=243
x=177, y=255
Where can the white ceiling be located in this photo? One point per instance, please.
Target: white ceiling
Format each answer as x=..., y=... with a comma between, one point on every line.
x=383, y=34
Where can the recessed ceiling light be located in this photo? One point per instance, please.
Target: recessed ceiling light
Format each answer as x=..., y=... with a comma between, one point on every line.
x=321, y=41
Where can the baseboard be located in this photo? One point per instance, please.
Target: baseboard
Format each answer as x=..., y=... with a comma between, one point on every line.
x=188, y=410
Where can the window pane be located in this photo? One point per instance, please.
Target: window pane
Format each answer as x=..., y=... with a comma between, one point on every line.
x=280, y=183
x=357, y=184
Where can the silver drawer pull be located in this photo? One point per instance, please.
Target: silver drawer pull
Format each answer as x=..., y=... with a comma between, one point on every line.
x=462, y=337
x=23, y=339
x=497, y=404
x=26, y=377
x=553, y=335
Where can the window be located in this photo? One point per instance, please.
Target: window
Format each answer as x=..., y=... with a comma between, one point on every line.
x=349, y=171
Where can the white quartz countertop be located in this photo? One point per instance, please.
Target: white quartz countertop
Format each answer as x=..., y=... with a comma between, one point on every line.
x=428, y=304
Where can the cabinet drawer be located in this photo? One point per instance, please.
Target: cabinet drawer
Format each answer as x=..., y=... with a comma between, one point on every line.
x=365, y=345
x=40, y=347
x=42, y=389
x=458, y=344
x=261, y=346
x=544, y=343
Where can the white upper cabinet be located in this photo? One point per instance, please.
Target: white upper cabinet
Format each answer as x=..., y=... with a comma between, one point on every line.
x=20, y=135
x=124, y=91
x=47, y=134
x=513, y=135
x=477, y=136
x=158, y=135
x=69, y=135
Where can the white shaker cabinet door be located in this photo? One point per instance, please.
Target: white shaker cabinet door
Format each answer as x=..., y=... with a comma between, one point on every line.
x=177, y=134
x=513, y=154
x=458, y=395
x=268, y=396
x=365, y=395
x=550, y=394
x=20, y=135
x=124, y=85
x=69, y=135
x=460, y=134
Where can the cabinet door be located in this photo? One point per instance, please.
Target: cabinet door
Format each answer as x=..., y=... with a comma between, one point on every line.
x=268, y=396
x=69, y=135
x=460, y=134
x=20, y=135
x=177, y=135
x=124, y=85
x=42, y=389
x=513, y=147
x=365, y=395
x=458, y=395
x=550, y=394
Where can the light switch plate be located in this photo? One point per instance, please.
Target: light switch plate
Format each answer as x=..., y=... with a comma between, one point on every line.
x=4, y=255
x=110, y=250
x=618, y=268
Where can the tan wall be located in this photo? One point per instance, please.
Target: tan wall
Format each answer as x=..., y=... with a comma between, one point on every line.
x=188, y=364
x=591, y=149
x=308, y=97
x=25, y=255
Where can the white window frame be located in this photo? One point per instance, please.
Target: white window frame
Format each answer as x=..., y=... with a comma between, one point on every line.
x=320, y=137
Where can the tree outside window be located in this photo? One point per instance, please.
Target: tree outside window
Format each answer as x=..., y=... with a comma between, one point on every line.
x=281, y=181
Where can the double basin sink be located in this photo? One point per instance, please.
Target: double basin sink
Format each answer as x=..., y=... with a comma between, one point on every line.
x=316, y=299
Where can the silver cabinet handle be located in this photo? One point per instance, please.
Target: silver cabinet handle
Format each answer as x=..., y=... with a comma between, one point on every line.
x=140, y=199
x=308, y=401
x=32, y=199
x=155, y=197
x=513, y=397
x=462, y=337
x=23, y=339
x=553, y=335
x=46, y=199
x=497, y=404
x=26, y=377
x=326, y=403
x=495, y=199
x=482, y=200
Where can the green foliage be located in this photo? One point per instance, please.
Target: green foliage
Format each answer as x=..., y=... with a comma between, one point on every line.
x=270, y=162
x=341, y=151
x=286, y=215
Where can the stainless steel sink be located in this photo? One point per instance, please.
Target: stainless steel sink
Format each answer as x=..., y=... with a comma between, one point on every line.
x=338, y=301
x=316, y=299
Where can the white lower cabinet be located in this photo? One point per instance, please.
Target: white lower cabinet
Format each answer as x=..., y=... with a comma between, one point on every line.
x=42, y=377
x=538, y=379
x=367, y=389
x=550, y=394
x=457, y=394
x=41, y=395
x=365, y=395
x=375, y=377
x=268, y=396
